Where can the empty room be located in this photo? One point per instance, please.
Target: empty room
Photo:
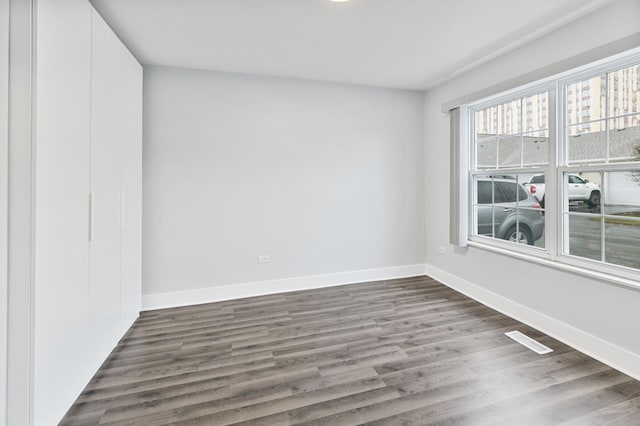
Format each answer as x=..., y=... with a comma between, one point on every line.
x=331, y=212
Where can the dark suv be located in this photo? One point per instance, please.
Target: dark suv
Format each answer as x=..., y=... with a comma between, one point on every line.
x=506, y=210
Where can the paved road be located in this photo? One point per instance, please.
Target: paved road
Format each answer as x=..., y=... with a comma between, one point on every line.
x=622, y=241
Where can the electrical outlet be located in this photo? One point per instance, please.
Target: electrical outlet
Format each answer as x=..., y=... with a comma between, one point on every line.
x=442, y=250
x=264, y=258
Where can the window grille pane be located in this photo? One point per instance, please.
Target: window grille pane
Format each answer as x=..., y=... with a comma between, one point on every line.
x=621, y=205
x=509, y=117
x=585, y=236
x=618, y=210
x=621, y=238
x=624, y=138
x=587, y=143
x=586, y=101
x=535, y=148
x=487, y=154
x=486, y=122
x=583, y=192
x=623, y=91
x=536, y=112
x=510, y=151
x=506, y=210
x=622, y=194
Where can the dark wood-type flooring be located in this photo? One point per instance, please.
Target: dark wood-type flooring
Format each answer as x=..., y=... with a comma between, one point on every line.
x=407, y=351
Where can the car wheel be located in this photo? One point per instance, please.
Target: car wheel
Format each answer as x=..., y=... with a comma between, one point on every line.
x=594, y=199
x=523, y=236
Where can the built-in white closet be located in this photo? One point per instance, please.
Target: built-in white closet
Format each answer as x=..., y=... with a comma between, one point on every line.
x=87, y=216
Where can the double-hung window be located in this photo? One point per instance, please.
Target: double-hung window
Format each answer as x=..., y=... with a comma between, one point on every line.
x=506, y=153
x=554, y=168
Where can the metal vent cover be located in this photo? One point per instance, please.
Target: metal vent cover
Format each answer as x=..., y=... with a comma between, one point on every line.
x=527, y=341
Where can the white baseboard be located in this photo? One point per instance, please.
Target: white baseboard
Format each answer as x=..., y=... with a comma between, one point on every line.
x=261, y=288
x=605, y=352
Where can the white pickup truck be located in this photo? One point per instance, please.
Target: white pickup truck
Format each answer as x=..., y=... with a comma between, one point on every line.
x=579, y=189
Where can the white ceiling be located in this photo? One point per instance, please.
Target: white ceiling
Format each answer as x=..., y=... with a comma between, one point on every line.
x=410, y=44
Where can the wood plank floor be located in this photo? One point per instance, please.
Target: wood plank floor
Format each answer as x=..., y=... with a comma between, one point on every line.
x=407, y=351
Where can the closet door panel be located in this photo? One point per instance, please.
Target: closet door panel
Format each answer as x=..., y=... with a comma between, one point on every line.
x=131, y=278
x=106, y=171
x=62, y=358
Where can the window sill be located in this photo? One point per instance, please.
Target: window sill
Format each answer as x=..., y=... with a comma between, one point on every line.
x=605, y=277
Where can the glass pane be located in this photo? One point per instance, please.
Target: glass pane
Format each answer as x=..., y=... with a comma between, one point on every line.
x=509, y=190
x=485, y=191
x=623, y=194
x=585, y=236
x=531, y=220
x=487, y=154
x=486, y=122
x=484, y=215
x=621, y=241
x=623, y=91
x=509, y=118
x=536, y=187
x=583, y=192
x=536, y=112
x=510, y=151
x=587, y=142
x=506, y=210
x=624, y=138
x=535, y=148
x=537, y=179
x=586, y=100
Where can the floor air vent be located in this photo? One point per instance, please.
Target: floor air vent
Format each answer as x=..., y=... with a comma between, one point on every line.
x=529, y=342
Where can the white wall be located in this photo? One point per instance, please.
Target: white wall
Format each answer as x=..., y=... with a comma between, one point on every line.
x=625, y=189
x=603, y=311
x=4, y=200
x=324, y=178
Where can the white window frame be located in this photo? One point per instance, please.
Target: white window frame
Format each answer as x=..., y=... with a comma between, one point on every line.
x=556, y=234
x=522, y=92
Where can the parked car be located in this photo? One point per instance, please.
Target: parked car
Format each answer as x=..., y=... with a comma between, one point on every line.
x=579, y=189
x=510, y=210
x=536, y=188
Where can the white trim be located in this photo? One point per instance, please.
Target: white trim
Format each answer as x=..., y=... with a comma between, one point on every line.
x=605, y=352
x=464, y=179
x=578, y=266
x=617, y=49
x=261, y=288
x=20, y=214
x=604, y=167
